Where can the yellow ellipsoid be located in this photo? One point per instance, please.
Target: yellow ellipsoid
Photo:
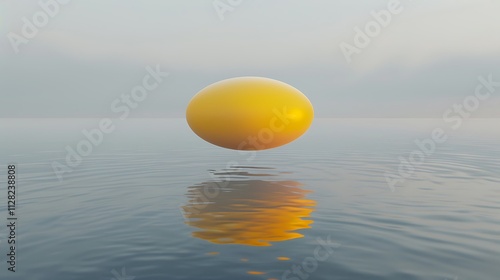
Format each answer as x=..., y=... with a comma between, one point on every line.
x=249, y=113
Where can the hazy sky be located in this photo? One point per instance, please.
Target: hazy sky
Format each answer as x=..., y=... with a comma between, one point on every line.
x=427, y=58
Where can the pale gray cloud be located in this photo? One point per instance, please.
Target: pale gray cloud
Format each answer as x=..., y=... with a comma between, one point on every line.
x=91, y=52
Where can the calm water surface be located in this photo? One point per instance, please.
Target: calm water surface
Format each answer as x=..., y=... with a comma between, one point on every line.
x=153, y=201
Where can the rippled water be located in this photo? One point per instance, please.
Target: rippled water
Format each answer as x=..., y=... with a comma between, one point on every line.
x=155, y=202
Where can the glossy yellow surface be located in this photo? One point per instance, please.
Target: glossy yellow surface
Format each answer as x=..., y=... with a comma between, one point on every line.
x=249, y=113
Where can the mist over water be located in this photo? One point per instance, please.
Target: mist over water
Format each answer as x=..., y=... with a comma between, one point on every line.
x=159, y=202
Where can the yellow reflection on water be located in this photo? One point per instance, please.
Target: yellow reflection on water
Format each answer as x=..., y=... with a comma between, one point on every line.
x=248, y=212
x=255, y=272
